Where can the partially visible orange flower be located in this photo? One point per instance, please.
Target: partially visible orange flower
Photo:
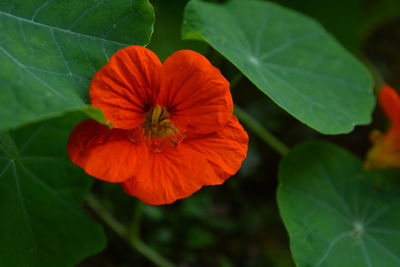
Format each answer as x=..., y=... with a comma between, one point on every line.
x=174, y=128
x=385, y=152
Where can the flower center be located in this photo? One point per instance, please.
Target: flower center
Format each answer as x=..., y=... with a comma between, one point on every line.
x=158, y=130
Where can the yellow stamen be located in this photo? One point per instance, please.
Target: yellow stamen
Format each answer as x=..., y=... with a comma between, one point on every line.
x=156, y=114
x=159, y=130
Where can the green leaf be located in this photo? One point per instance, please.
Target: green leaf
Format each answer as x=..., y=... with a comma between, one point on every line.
x=356, y=21
x=334, y=213
x=290, y=58
x=50, y=50
x=42, y=223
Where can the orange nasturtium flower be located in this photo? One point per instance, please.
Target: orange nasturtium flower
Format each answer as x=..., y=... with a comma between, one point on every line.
x=385, y=152
x=173, y=126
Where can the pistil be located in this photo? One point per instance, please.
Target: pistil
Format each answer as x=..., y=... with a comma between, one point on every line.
x=158, y=130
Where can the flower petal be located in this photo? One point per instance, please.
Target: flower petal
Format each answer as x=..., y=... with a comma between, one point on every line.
x=124, y=89
x=385, y=150
x=389, y=100
x=195, y=93
x=107, y=154
x=181, y=171
x=168, y=176
x=224, y=150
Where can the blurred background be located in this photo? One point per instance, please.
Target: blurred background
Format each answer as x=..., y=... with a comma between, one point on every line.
x=238, y=223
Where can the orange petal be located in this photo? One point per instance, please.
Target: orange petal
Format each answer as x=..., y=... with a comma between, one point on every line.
x=106, y=154
x=389, y=100
x=385, y=153
x=224, y=150
x=195, y=93
x=182, y=170
x=125, y=87
x=168, y=176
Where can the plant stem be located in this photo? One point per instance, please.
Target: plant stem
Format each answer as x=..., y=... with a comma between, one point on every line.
x=261, y=131
x=151, y=254
x=255, y=126
x=106, y=216
x=132, y=235
x=136, y=242
x=134, y=231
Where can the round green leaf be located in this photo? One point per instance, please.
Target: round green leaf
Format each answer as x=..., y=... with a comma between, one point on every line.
x=42, y=223
x=50, y=50
x=290, y=58
x=333, y=212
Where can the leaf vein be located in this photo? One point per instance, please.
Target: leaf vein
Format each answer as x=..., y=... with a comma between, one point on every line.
x=23, y=206
x=332, y=245
x=33, y=75
x=62, y=30
x=319, y=202
x=383, y=248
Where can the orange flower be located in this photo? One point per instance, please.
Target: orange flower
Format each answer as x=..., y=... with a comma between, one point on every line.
x=174, y=130
x=385, y=152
